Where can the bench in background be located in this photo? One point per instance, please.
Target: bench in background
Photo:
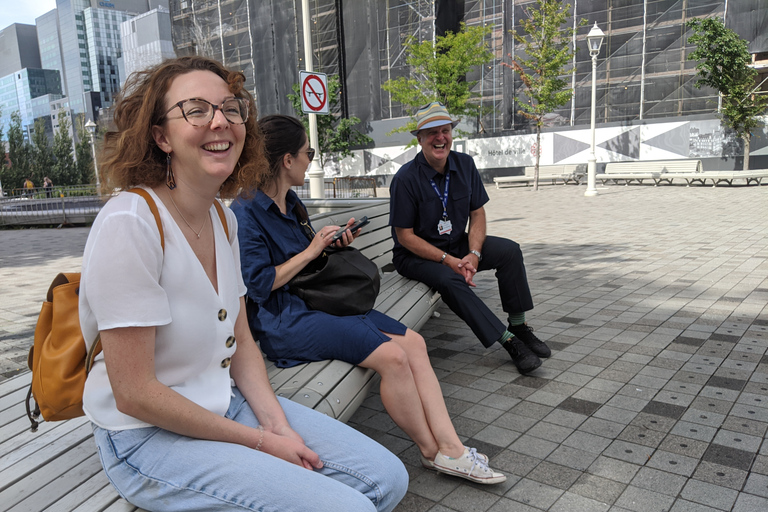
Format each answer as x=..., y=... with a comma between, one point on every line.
x=566, y=173
x=657, y=171
x=57, y=468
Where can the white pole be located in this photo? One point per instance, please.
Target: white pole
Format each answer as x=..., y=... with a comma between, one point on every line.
x=316, y=174
x=592, y=161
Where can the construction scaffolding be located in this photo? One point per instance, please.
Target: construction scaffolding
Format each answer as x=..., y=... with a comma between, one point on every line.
x=642, y=72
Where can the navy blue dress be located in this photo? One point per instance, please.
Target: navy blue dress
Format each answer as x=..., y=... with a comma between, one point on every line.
x=289, y=332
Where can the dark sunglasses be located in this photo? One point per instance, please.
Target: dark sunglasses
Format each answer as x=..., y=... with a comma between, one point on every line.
x=310, y=153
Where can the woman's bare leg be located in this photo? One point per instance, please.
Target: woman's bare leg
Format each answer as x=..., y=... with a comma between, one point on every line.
x=431, y=395
x=400, y=395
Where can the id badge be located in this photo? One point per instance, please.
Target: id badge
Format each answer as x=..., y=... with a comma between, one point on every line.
x=444, y=227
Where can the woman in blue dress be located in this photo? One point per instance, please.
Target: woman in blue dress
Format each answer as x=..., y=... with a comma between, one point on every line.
x=274, y=248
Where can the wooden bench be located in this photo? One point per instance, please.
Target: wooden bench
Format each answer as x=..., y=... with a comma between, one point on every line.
x=658, y=171
x=57, y=468
x=565, y=173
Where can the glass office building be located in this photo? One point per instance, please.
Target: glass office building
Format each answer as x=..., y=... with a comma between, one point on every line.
x=29, y=92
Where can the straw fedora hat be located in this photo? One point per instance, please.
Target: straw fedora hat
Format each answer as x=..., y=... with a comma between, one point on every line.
x=431, y=115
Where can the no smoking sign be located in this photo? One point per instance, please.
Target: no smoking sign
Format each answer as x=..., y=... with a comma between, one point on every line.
x=314, y=92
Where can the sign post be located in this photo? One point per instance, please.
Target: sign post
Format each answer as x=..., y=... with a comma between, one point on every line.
x=316, y=174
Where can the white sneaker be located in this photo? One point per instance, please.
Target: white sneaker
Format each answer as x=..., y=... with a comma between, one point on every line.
x=430, y=464
x=469, y=466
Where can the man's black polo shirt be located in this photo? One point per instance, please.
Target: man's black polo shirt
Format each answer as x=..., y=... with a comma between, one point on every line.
x=415, y=204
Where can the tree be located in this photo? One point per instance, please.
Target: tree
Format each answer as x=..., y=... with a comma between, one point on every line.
x=64, y=171
x=724, y=65
x=439, y=71
x=547, y=45
x=42, y=155
x=19, y=154
x=83, y=153
x=336, y=134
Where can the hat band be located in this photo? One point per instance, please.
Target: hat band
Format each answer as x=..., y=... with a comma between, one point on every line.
x=433, y=119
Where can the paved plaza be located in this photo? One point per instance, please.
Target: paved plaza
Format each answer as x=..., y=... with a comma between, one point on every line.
x=655, y=303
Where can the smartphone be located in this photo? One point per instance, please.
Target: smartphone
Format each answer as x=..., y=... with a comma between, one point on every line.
x=354, y=227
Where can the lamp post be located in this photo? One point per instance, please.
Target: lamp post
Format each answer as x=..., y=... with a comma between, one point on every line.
x=91, y=127
x=595, y=41
x=316, y=173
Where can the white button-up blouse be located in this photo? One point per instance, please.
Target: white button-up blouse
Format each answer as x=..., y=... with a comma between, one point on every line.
x=128, y=281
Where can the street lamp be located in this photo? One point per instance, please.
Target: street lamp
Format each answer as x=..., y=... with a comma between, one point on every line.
x=91, y=127
x=594, y=41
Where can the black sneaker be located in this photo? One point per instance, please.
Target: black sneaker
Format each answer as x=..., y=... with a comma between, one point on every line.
x=525, y=360
x=525, y=333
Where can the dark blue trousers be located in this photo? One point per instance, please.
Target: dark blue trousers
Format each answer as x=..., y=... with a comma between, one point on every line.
x=499, y=254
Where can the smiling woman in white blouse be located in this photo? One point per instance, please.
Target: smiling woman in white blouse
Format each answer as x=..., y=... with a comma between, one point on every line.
x=183, y=413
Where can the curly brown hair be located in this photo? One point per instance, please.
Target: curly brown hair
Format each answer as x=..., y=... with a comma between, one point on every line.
x=130, y=156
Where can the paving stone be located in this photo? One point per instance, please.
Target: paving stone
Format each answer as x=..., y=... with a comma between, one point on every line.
x=683, y=446
x=664, y=409
x=708, y=494
x=629, y=452
x=738, y=440
x=572, y=457
x=571, y=502
x=644, y=500
x=727, y=456
x=470, y=499
x=515, y=463
x=602, y=427
x=750, y=503
x=555, y=475
x=718, y=474
x=535, y=494
x=659, y=481
x=673, y=462
x=598, y=488
x=757, y=484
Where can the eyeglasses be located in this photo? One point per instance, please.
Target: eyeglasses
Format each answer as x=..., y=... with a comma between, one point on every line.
x=310, y=153
x=199, y=112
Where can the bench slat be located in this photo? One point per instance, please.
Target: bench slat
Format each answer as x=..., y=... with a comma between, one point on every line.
x=84, y=493
x=29, y=458
x=100, y=500
x=29, y=486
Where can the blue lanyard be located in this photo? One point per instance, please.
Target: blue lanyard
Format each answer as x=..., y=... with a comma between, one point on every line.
x=444, y=196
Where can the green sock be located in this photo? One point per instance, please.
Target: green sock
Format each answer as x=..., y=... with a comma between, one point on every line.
x=516, y=318
x=505, y=337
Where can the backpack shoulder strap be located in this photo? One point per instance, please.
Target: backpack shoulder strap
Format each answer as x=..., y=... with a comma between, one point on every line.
x=222, y=216
x=153, y=208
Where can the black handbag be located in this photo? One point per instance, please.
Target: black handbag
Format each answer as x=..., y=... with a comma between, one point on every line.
x=341, y=282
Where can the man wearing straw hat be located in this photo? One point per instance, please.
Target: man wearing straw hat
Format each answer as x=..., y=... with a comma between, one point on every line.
x=433, y=198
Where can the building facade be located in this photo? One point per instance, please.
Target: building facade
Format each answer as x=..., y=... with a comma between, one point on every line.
x=146, y=41
x=643, y=71
x=18, y=48
x=28, y=91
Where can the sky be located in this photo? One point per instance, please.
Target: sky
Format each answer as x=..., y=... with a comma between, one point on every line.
x=23, y=11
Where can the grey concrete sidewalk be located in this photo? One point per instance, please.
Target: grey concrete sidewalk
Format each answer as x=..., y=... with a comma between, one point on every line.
x=654, y=300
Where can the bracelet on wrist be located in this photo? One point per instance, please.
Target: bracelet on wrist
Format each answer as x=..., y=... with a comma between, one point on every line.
x=443, y=258
x=261, y=438
x=477, y=253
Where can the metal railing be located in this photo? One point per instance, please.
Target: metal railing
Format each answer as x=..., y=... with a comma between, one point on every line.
x=77, y=204
x=344, y=187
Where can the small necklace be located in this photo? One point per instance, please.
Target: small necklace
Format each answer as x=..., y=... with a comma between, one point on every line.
x=198, y=233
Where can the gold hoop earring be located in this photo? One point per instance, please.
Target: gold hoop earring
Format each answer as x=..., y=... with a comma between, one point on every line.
x=170, y=181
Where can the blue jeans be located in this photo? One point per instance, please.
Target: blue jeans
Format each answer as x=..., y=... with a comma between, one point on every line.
x=161, y=471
